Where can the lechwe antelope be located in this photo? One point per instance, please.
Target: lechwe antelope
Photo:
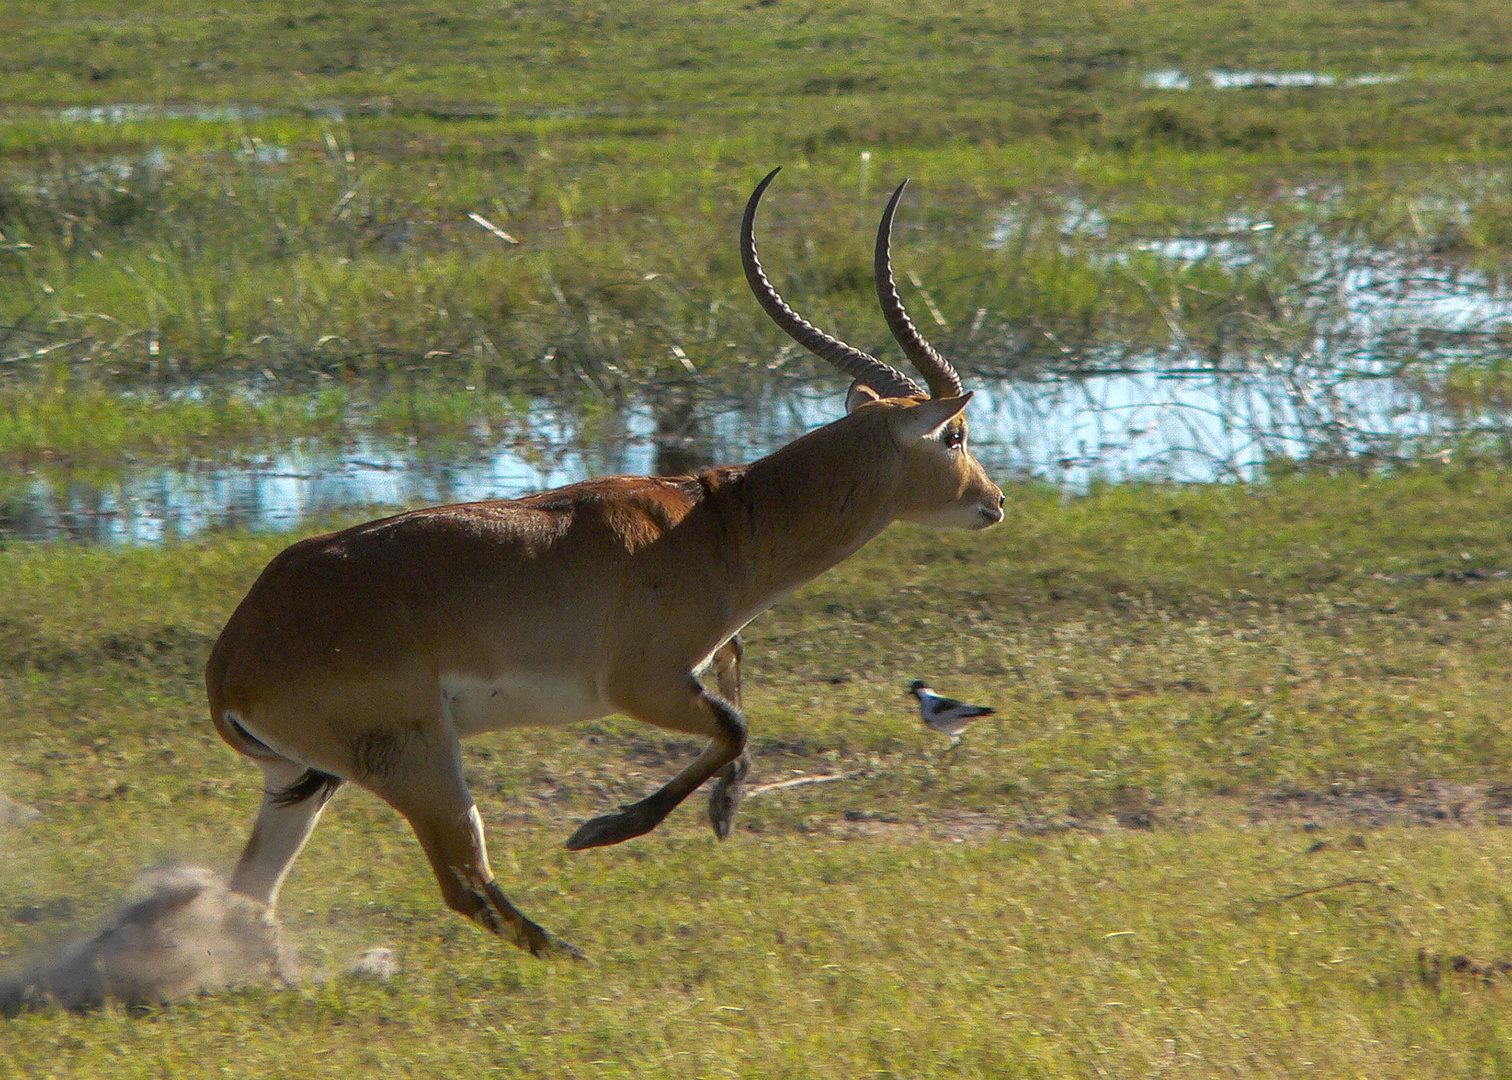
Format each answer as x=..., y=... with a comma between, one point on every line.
x=366, y=655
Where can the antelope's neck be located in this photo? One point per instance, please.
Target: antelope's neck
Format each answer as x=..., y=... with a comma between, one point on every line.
x=788, y=517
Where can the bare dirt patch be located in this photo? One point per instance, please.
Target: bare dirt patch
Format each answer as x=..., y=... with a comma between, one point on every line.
x=951, y=825
x=1436, y=802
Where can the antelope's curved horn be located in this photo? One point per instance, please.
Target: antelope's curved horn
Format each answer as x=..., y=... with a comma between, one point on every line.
x=864, y=368
x=938, y=372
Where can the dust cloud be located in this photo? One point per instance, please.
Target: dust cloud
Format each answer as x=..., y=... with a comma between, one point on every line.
x=188, y=935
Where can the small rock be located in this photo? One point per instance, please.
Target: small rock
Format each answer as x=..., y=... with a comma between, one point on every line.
x=16, y=814
x=379, y=963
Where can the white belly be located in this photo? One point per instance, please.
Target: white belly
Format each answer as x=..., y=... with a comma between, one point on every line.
x=518, y=699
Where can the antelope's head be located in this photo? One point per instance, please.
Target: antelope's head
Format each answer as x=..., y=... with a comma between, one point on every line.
x=940, y=482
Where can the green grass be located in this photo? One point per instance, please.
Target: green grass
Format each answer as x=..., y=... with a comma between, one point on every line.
x=1243, y=809
x=1241, y=812
x=74, y=426
x=972, y=69
x=1115, y=955
x=618, y=144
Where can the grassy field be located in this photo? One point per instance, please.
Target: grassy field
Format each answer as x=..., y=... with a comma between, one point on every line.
x=1244, y=808
x=279, y=204
x=1243, y=813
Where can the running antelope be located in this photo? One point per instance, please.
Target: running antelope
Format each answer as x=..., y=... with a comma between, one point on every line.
x=368, y=654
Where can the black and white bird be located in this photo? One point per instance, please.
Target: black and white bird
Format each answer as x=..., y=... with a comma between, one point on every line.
x=945, y=714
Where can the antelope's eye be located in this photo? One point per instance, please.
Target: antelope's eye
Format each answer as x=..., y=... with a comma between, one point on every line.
x=955, y=438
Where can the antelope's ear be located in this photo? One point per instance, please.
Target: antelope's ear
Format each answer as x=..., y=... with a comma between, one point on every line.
x=928, y=417
x=858, y=395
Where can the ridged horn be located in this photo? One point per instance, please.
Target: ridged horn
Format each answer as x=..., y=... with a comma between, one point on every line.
x=864, y=368
x=938, y=372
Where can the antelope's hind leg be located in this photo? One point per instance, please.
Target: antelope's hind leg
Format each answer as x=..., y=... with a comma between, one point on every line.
x=430, y=792
x=293, y=797
x=685, y=706
x=724, y=800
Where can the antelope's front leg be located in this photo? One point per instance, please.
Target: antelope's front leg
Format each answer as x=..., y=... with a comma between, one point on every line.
x=724, y=800
x=419, y=773
x=687, y=707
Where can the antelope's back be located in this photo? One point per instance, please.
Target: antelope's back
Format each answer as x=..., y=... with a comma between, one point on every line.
x=532, y=582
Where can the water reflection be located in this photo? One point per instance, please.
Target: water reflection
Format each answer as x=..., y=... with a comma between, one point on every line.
x=135, y=112
x=1352, y=292
x=1175, y=79
x=1182, y=425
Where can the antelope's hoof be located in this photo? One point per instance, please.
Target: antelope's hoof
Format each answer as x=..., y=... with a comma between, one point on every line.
x=629, y=822
x=501, y=917
x=723, y=803
x=544, y=945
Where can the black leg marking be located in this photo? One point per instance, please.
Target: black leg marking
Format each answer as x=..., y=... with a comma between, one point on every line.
x=311, y=783
x=725, y=799
x=641, y=817
x=628, y=822
x=491, y=908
